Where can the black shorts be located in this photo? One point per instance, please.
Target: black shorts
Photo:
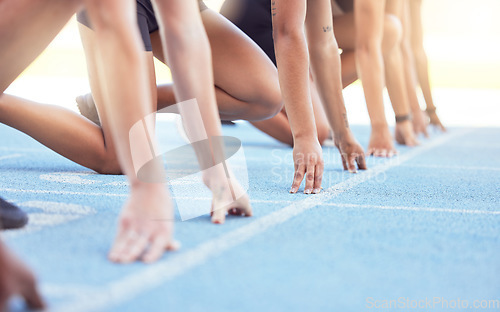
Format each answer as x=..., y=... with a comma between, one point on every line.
x=146, y=20
x=346, y=5
x=254, y=18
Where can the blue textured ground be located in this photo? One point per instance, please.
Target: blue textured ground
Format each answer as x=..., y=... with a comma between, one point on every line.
x=423, y=225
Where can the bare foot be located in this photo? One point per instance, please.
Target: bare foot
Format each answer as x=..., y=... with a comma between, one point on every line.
x=145, y=228
x=419, y=123
x=228, y=196
x=381, y=143
x=404, y=134
x=87, y=108
x=17, y=279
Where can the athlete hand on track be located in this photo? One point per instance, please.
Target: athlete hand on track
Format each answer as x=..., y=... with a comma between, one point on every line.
x=352, y=153
x=434, y=120
x=420, y=123
x=145, y=229
x=17, y=279
x=308, y=160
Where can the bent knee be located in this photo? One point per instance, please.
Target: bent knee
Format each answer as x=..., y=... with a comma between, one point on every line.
x=108, y=164
x=270, y=102
x=393, y=33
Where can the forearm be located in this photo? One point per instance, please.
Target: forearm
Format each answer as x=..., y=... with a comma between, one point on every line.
x=370, y=70
x=417, y=45
x=293, y=72
x=126, y=88
x=325, y=64
x=421, y=65
x=369, y=23
x=395, y=80
x=409, y=73
x=187, y=48
x=191, y=64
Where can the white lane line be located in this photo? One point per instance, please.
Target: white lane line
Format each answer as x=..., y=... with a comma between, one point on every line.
x=125, y=195
x=429, y=209
x=128, y=287
x=10, y=156
x=405, y=208
x=60, y=192
x=256, y=201
x=24, y=149
x=69, y=178
x=474, y=168
x=65, y=291
x=48, y=214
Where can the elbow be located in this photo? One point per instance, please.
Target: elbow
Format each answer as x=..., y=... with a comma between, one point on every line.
x=322, y=49
x=393, y=35
x=365, y=49
x=107, y=17
x=287, y=33
x=419, y=53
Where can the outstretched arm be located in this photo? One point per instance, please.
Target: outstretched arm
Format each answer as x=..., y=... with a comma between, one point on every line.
x=326, y=69
x=293, y=71
x=421, y=63
x=395, y=79
x=146, y=222
x=369, y=23
x=419, y=122
x=186, y=45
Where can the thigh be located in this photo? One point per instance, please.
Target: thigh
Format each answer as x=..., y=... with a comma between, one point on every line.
x=238, y=63
x=26, y=28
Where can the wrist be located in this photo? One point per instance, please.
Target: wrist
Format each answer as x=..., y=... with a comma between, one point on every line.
x=342, y=134
x=416, y=110
x=304, y=135
x=345, y=136
x=138, y=185
x=306, y=139
x=380, y=125
x=430, y=110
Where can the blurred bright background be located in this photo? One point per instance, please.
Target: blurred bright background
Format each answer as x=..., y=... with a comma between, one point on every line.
x=462, y=40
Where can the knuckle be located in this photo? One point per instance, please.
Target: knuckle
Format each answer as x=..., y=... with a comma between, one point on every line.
x=310, y=176
x=298, y=175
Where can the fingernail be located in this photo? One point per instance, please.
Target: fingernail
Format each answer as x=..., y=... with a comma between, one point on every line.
x=293, y=190
x=353, y=171
x=308, y=191
x=316, y=191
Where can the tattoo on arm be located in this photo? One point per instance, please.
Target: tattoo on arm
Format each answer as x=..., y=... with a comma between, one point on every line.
x=327, y=28
x=346, y=122
x=273, y=8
